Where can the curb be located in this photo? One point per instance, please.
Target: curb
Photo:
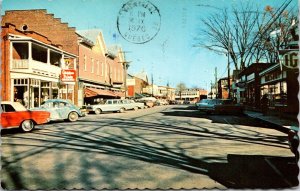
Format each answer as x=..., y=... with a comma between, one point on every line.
x=275, y=125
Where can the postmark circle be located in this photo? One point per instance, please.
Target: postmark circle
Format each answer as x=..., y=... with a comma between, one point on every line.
x=138, y=21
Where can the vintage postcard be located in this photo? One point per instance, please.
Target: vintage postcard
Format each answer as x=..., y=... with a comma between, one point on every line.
x=149, y=94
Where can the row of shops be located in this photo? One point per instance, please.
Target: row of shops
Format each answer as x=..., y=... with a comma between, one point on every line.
x=278, y=81
x=37, y=64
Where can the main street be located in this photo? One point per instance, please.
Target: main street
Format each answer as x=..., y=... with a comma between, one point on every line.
x=157, y=148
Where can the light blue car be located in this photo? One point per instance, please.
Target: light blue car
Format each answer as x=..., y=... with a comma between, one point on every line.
x=61, y=109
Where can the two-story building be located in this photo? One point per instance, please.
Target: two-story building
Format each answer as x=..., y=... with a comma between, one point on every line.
x=101, y=71
x=98, y=71
x=191, y=95
x=32, y=66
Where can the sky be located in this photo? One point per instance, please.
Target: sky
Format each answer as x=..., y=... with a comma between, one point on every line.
x=170, y=56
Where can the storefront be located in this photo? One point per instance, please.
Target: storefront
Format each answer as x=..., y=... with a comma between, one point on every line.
x=32, y=69
x=249, y=84
x=280, y=83
x=31, y=92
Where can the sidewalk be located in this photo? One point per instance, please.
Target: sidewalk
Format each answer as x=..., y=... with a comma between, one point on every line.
x=272, y=119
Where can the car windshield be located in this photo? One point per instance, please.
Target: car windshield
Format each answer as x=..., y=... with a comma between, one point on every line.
x=204, y=101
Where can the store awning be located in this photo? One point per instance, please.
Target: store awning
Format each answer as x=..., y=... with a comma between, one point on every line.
x=119, y=94
x=91, y=92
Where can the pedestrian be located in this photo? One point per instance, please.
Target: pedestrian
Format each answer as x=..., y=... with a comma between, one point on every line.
x=264, y=104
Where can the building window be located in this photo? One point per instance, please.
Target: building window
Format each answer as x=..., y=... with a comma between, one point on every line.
x=92, y=62
x=98, y=67
x=102, y=68
x=105, y=71
x=84, y=62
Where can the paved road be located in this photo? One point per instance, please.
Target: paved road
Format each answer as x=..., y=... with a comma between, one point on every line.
x=158, y=148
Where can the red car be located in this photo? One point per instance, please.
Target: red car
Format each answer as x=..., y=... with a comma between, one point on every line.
x=15, y=115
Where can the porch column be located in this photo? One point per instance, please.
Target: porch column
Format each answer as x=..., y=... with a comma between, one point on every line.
x=10, y=56
x=62, y=62
x=29, y=51
x=48, y=56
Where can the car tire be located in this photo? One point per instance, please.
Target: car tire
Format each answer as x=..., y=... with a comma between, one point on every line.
x=73, y=116
x=27, y=125
x=98, y=111
x=122, y=110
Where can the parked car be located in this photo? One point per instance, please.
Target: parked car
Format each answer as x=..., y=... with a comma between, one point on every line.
x=84, y=110
x=15, y=115
x=186, y=102
x=61, y=109
x=161, y=102
x=173, y=102
x=148, y=101
x=110, y=105
x=293, y=139
x=202, y=103
x=221, y=106
x=131, y=104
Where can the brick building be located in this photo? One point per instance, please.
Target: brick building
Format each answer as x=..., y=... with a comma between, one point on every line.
x=59, y=33
x=99, y=70
x=135, y=85
x=31, y=66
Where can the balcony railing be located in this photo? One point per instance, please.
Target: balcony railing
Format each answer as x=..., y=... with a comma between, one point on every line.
x=35, y=67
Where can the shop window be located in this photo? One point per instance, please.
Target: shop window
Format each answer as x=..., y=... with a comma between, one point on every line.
x=20, y=81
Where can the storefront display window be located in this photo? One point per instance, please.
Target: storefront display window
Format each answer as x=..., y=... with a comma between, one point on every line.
x=32, y=92
x=21, y=93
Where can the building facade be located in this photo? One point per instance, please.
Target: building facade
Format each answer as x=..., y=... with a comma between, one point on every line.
x=32, y=67
x=60, y=34
x=192, y=95
x=101, y=71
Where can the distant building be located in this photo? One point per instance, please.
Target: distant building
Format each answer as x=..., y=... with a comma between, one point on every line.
x=135, y=86
x=192, y=95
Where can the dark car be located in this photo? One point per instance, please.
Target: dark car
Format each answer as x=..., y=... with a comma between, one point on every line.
x=293, y=139
x=221, y=106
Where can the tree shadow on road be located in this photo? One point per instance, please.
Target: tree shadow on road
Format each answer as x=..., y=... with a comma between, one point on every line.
x=238, y=172
x=233, y=119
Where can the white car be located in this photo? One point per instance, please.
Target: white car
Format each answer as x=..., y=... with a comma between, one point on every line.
x=131, y=104
x=110, y=105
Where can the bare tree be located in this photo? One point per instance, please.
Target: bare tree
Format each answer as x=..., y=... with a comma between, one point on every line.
x=277, y=35
x=180, y=88
x=231, y=33
x=243, y=33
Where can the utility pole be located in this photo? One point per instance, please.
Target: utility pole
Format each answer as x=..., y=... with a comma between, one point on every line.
x=211, y=93
x=216, y=81
x=152, y=84
x=228, y=66
x=125, y=67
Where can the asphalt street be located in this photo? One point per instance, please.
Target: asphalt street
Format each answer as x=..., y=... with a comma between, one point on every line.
x=165, y=147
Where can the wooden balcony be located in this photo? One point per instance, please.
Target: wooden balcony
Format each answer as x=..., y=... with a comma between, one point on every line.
x=35, y=67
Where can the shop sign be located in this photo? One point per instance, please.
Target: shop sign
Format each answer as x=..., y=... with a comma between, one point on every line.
x=68, y=75
x=290, y=59
x=241, y=84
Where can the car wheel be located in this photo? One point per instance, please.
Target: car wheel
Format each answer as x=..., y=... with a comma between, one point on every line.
x=27, y=125
x=98, y=111
x=122, y=110
x=73, y=116
x=135, y=108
